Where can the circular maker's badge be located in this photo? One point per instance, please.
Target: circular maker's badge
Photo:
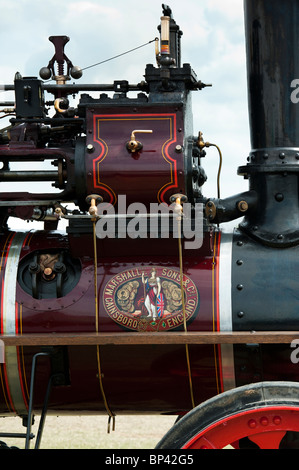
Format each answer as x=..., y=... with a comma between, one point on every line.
x=150, y=299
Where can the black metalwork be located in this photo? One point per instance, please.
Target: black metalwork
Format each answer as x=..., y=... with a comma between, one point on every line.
x=272, y=41
x=30, y=407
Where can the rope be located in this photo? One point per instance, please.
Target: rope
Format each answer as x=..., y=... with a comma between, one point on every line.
x=110, y=413
x=119, y=55
x=179, y=218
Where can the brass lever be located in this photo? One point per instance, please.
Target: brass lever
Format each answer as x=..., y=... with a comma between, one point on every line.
x=134, y=145
x=93, y=200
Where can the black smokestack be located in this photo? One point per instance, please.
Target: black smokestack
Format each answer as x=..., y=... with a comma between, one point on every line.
x=272, y=46
x=272, y=41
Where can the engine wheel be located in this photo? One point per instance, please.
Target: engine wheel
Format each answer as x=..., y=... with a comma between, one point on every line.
x=263, y=415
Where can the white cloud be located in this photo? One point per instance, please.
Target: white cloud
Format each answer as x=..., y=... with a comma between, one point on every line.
x=231, y=10
x=92, y=7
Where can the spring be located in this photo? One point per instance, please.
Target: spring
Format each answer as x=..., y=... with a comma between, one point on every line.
x=60, y=68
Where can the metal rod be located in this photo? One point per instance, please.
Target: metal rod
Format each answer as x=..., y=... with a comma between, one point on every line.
x=43, y=415
x=17, y=435
x=28, y=176
x=31, y=394
x=75, y=88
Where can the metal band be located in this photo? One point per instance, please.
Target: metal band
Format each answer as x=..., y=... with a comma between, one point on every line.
x=9, y=322
x=225, y=309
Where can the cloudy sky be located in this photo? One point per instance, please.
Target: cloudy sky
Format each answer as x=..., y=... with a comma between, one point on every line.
x=212, y=42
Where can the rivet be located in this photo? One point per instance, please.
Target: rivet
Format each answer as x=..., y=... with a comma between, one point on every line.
x=239, y=243
x=240, y=314
x=255, y=228
x=297, y=156
x=265, y=156
x=239, y=262
x=279, y=197
x=240, y=286
x=90, y=148
x=277, y=420
x=264, y=421
x=252, y=423
x=280, y=237
x=282, y=155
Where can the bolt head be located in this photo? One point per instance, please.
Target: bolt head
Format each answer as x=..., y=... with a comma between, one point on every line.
x=90, y=148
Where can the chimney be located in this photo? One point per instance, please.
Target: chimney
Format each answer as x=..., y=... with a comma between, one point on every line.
x=272, y=48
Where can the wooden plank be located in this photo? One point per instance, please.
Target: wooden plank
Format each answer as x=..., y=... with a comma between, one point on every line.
x=136, y=338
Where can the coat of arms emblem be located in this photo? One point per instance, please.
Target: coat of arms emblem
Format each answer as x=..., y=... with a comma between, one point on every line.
x=150, y=299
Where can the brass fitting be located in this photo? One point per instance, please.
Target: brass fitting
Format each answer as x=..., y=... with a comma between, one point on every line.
x=134, y=145
x=93, y=200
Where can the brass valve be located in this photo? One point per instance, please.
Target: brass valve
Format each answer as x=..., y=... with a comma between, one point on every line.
x=93, y=200
x=134, y=145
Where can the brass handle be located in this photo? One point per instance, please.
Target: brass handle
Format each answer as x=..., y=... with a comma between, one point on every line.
x=134, y=145
x=93, y=200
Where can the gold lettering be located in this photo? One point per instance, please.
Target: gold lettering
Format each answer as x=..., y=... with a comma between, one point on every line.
x=120, y=317
x=180, y=317
x=191, y=288
x=191, y=303
x=109, y=291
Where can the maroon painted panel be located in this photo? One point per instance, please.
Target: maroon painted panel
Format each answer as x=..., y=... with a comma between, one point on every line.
x=147, y=378
x=150, y=175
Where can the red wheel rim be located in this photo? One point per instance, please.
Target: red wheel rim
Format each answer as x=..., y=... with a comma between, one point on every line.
x=266, y=427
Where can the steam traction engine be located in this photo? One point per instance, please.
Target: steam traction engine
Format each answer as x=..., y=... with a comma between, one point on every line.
x=112, y=316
